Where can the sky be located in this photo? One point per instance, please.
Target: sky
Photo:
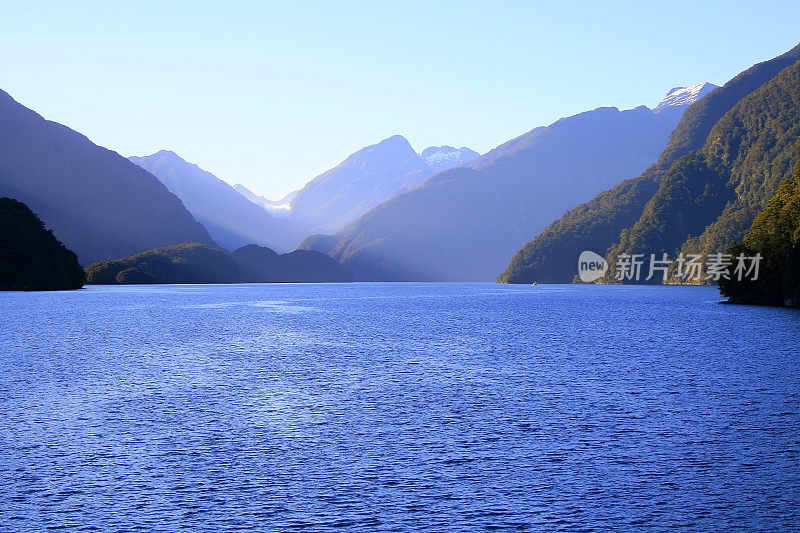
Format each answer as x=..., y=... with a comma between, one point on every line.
x=271, y=94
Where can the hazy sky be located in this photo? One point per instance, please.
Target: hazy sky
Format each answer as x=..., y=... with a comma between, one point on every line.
x=271, y=94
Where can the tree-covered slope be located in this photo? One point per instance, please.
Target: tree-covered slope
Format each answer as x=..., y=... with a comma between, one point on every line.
x=709, y=198
x=99, y=204
x=198, y=263
x=552, y=256
x=183, y=263
x=775, y=235
x=31, y=258
x=262, y=265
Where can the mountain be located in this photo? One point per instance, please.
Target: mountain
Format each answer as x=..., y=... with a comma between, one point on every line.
x=551, y=257
x=368, y=177
x=277, y=208
x=464, y=223
x=198, y=263
x=31, y=258
x=231, y=219
x=320, y=242
x=679, y=98
x=182, y=263
x=439, y=158
x=775, y=235
x=262, y=265
x=96, y=202
x=709, y=198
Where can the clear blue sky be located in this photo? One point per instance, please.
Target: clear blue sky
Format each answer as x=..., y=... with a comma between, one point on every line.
x=270, y=94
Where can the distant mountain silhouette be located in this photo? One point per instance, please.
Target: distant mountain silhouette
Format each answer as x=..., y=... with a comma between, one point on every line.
x=231, y=219
x=279, y=208
x=199, y=263
x=368, y=177
x=99, y=204
x=235, y=216
x=464, y=223
x=31, y=258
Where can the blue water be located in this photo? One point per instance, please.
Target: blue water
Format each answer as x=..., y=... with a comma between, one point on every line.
x=397, y=407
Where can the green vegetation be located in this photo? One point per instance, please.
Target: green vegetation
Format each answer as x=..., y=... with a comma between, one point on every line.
x=199, y=263
x=31, y=258
x=713, y=194
x=182, y=263
x=775, y=234
x=552, y=256
x=262, y=265
x=686, y=192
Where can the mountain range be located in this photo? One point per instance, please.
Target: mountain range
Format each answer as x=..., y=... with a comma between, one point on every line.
x=103, y=206
x=368, y=177
x=706, y=167
x=463, y=224
x=96, y=202
x=236, y=216
x=230, y=218
x=722, y=163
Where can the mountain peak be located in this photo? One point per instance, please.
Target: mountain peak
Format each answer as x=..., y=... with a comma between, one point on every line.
x=395, y=139
x=165, y=156
x=94, y=201
x=396, y=143
x=440, y=158
x=165, y=159
x=684, y=96
x=389, y=151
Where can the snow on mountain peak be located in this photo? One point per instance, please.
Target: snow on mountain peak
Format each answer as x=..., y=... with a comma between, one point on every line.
x=685, y=96
x=441, y=158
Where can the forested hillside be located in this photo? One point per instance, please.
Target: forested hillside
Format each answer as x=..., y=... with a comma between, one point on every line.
x=710, y=197
x=31, y=258
x=775, y=235
x=597, y=225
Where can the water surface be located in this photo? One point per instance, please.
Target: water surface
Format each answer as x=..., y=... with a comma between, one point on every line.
x=397, y=407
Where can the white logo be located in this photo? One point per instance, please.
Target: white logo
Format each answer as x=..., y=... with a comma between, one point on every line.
x=591, y=266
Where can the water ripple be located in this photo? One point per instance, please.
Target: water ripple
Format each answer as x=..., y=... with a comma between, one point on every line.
x=397, y=407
